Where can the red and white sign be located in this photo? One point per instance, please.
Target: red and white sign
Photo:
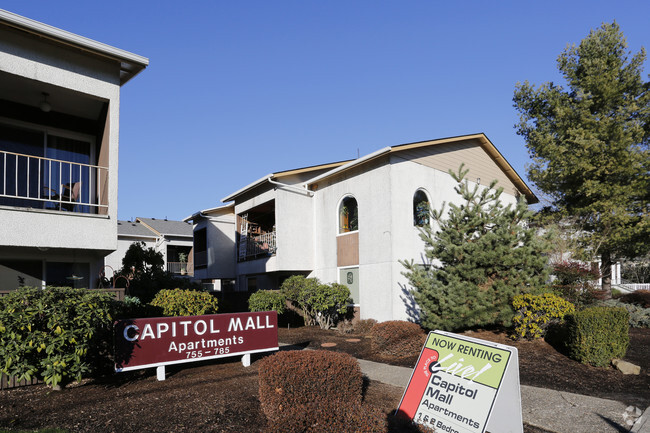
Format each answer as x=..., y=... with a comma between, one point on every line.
x=154, y=342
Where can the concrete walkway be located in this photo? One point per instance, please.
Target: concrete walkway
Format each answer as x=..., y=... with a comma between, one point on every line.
x=555, y=411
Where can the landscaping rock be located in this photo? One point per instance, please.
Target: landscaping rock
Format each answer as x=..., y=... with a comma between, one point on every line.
x=626, y=367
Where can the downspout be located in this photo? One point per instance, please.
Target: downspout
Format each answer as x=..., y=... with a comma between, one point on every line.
x=295, y=188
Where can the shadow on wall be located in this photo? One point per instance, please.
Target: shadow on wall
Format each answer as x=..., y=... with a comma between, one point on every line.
x=412, y=309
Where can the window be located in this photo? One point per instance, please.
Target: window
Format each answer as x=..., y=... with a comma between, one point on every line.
x=348, y=215
x=421, y=209
x=200, y=249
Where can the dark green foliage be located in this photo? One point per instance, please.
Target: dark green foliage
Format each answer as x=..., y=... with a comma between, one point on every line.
x=144, y=269
x=597, y=335
x=321, y=304
x=481, y=257
x=590, y=144
x=315, y=391
x=180, y=302
x=267, y=300
x=52, y=333
x=397, y=338
x=639, y=316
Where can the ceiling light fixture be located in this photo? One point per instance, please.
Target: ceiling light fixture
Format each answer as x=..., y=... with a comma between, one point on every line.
x=45, y=106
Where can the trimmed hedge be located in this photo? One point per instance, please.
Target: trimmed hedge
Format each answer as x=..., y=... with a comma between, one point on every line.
x=315, y=391
x=397, y=338
x=535, y=313
x=267, y=300
x=53, y=332
x=178, y=302
x=597, y=335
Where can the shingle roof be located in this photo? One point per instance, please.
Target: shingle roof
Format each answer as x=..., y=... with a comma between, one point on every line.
x=128, y=228
x=167, y=227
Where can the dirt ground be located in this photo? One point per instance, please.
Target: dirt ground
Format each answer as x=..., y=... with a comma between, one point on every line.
x=222, y=395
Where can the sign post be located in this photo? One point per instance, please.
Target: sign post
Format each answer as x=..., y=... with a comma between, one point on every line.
x=464, y=385
x=161, y=341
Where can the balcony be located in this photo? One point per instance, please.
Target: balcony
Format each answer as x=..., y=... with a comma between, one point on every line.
x=37, y=182
x=180, y=268
x=254, y=247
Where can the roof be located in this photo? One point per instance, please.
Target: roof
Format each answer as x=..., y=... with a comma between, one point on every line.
x=280, y=174
x=130, y=64
x=167, y=227
x=133, y=229
x=211, y=211
x=485, y=144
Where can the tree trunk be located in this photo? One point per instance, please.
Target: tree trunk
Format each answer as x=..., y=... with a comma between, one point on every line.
x=606, y=273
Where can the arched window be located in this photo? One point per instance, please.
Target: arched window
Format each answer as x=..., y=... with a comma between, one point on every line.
x=421, y=209
x=348, y=215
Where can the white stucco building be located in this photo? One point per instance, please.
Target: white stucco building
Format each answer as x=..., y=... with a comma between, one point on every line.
x=59, y=127
x=348, y=222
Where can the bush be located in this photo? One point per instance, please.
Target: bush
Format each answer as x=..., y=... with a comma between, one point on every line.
x=179, y=302
x=267, y=300
x=53, y=333
x=575, y=282
x=639, y=316
x=535, y=313
x=364, y=326
x=320, y=304
x=315, y=391
x=597, y=335
x=640, y=297
x=397, y=338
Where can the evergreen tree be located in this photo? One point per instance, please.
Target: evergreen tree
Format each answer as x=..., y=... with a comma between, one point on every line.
x=589, y=144
x=482, y=255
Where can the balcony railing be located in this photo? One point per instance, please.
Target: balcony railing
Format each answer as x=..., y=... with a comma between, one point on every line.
x=259, y=246
x=46, y=183
x=180, y=268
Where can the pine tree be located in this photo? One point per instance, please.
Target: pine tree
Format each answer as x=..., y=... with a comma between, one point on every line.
x=482, y=255
x=590, y=144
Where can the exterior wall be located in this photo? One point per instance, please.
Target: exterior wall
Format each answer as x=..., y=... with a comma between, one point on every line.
x=370, y=186
x=294, y=221
x=114, y=259
x=221, y=253
x=48, y=63
x=384, y=191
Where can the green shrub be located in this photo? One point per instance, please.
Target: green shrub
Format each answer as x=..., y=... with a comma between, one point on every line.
x=53, y=332
x=397, y=338
x=535, y=313
x=315, y=391
x=320, y=304
x=179, y=302
x=639, y=316
x=597, y=335
x=267, y=300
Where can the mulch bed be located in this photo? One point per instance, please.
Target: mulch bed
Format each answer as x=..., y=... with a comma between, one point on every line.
x=222, y=396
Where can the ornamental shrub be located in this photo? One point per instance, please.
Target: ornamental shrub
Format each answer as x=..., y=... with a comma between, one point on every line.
x=267, y=300
x=53, y=333
x=535, y=313
x=575, y=282
x=397, y=338
x=320, y=304
x=178, y=302
x=597, y=335
x=315, y=391
x=639, y=297
x=639, y=316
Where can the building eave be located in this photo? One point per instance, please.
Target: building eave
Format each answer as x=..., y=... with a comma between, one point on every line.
x=130, y=64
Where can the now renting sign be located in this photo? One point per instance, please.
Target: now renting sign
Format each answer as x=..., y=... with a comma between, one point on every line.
x=156, y=342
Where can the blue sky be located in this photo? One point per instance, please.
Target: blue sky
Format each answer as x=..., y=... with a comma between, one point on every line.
x=237, y=90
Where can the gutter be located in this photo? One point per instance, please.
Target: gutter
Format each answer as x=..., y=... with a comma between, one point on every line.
x=292, y=187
